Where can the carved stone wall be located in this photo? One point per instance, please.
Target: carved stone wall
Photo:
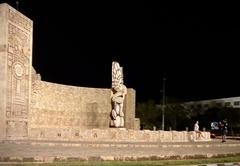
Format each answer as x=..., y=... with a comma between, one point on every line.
x=34, y=109
x=60, y=111
x=16, y=53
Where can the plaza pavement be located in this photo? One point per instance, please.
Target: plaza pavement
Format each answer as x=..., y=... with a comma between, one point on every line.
x=46, y=151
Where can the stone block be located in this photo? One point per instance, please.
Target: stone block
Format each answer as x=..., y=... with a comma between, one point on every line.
x=129, y=109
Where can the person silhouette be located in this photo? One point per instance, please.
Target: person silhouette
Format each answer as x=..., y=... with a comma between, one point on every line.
x=224, y=130
x=196, y=129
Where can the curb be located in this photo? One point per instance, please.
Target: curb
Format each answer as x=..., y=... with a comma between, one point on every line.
x=50, y=159
x=127, y=144
x=220, y=164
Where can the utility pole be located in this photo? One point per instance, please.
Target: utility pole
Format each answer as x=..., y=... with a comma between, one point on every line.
x=163, y=103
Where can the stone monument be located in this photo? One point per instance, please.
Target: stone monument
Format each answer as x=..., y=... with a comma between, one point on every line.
x=119, y=91
x=33, y=109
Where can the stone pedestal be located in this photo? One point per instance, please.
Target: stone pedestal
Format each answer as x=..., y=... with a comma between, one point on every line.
x=129, y=109
x=15, y=72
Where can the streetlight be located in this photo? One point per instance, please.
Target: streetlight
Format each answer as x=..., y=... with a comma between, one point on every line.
x=163, y=103
x=17, y=5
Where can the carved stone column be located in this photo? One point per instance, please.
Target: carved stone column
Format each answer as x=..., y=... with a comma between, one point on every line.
x=15, y=72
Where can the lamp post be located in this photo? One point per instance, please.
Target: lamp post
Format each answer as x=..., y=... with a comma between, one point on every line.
x=17, y=5
x=163, y=103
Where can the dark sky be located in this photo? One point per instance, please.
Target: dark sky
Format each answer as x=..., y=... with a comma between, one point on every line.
x=194, y=46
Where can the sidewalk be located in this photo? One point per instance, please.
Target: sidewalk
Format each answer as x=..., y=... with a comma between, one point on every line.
x=46, y=151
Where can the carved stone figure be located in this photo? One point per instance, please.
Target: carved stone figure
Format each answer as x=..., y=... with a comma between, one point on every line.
x=119, y=91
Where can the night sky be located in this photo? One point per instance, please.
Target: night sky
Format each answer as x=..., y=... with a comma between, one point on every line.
x=194, y=46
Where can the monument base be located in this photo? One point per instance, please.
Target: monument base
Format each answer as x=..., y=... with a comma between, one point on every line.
x=125, y=135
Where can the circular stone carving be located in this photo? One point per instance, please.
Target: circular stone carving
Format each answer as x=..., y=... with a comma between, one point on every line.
x=18, y=69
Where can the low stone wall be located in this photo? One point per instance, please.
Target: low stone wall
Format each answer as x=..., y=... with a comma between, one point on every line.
x=124, y=135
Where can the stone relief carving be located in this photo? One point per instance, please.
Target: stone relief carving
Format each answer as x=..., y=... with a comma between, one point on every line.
x=18, y=73
x=16, y=128
x=19, y=19
x=118, y=93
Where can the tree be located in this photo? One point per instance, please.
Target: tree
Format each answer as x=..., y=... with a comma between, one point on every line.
x=179, y=116
x=147, y=113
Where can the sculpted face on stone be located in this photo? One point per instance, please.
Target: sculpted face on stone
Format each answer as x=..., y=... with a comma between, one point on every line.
x=119, y=91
